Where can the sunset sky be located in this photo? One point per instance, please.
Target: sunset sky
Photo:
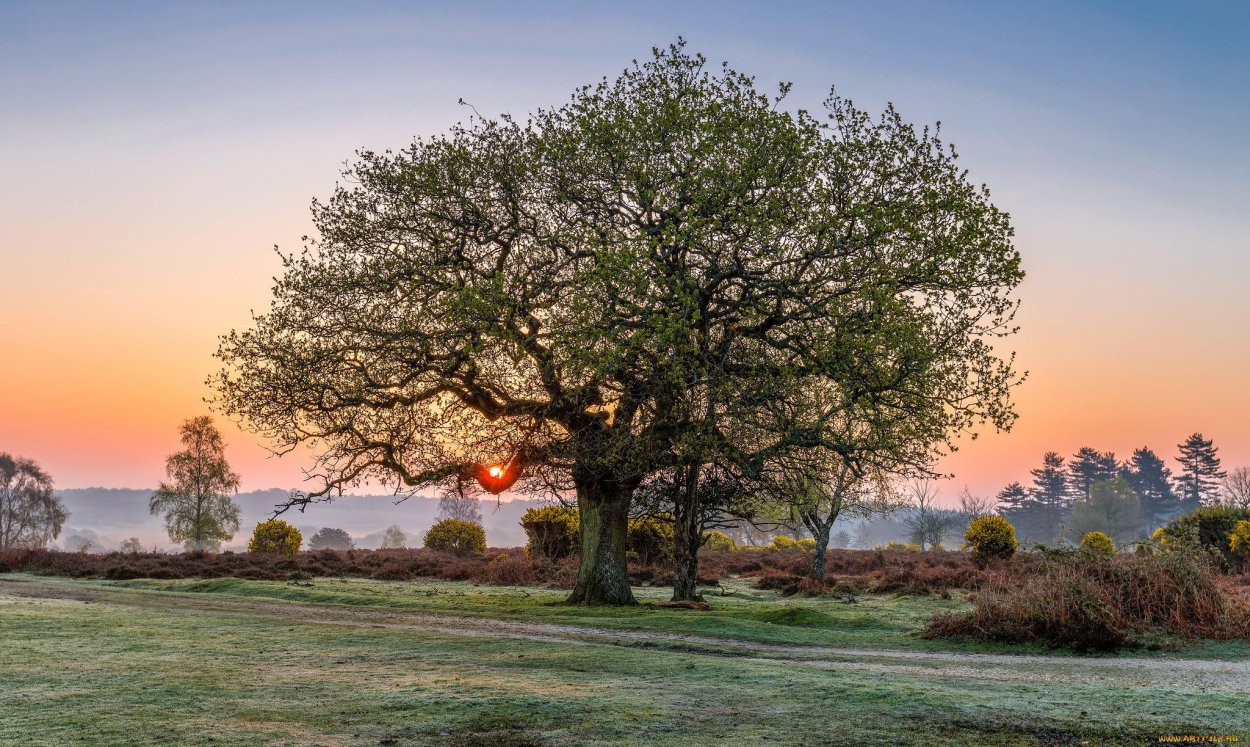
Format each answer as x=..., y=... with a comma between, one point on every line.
x=151, y=155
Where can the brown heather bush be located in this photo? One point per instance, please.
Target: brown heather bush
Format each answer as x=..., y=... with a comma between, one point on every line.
x=847, y=570
x=1087, y=602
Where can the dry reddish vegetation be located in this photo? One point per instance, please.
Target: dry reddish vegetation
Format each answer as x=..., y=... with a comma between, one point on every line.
x=789, y=571
x=1085, y=601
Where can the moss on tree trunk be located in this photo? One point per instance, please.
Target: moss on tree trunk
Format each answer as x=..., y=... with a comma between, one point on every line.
x=603, y=578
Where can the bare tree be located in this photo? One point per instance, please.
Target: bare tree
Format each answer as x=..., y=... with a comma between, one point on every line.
x=864, y=539
x=975, y=506
x=196, y=502
x=30, y=514
x=461, y=507
x=928, y=524
x=1237, y=488
x=394, y=539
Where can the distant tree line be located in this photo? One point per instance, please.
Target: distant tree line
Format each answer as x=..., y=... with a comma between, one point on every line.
x=1127, y=499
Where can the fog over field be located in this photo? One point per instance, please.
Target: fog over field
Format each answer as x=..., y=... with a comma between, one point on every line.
x=106, y=516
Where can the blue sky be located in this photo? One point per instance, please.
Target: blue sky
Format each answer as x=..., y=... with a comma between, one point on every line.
x=154, y=153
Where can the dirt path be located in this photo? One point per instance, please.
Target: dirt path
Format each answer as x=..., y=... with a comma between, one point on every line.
x=1202, y=675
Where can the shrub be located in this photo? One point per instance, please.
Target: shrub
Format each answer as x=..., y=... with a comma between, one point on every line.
x=1239, y=541
x=550, y=531
x=719, y=542
x=1212, y=527
x=275, y=536
x=651, y=539
x=907, y=546
x=1098, y=544
x=782, y=542
x=510, y=570
x=1090, y=602
x=991, y=538
x=456, y=536
x=807, y=545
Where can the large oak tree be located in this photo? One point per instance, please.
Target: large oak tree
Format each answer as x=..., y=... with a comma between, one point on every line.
x=670, y=270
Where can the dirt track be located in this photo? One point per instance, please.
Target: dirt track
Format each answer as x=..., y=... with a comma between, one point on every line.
x=1112, y=671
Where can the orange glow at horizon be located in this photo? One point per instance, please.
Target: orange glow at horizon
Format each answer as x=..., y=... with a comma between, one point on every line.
x=148, y=176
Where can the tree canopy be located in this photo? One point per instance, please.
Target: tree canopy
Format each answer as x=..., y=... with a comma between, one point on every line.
x=30, y=513
x=669, y=269
x=196, y=502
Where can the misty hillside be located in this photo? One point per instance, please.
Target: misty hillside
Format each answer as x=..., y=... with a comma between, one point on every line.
x=106, y=516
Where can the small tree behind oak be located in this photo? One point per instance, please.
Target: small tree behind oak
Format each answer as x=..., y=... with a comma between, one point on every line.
x=30, y=514
x=199, y=512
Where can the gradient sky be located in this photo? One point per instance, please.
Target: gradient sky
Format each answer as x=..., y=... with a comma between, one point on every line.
x=152, y=154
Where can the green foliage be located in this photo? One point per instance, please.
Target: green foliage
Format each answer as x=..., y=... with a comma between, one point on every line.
x=1112, y=508
x=275, y=536
x=550, y=531
x=782, y=542
x=31, y=514
x=1089, y=467
x=456, y=536
x=529, y=279
x=1151, y=479
x=650, y=539
x=991, y=538
x=1200, y=475
x=719, y=542
x=1239, y=540
x=1098, y=543
x=196, y=501
x=1210, y=527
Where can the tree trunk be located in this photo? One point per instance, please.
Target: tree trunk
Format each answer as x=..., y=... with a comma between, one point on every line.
x=822, y=543
x=602, y=577
x=687, y=539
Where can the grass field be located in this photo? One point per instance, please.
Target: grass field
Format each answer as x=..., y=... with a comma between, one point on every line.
x=226, y=661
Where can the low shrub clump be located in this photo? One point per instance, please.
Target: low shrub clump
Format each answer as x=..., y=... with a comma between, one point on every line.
x=718, y=542
x=1212, y=528
x=650, y=539
x=1239, y=543
x=1090, y=602
x=275, y=536
x=550, y=532
x=457, y=537
x=1099, y=544
x=991, y=538
x=782, y=542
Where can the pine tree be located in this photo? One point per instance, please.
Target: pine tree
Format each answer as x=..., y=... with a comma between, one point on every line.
x=1050, y=490
x=1089, y=466
x=1016, y=505
x=1151, y=479
x=1199, y=481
